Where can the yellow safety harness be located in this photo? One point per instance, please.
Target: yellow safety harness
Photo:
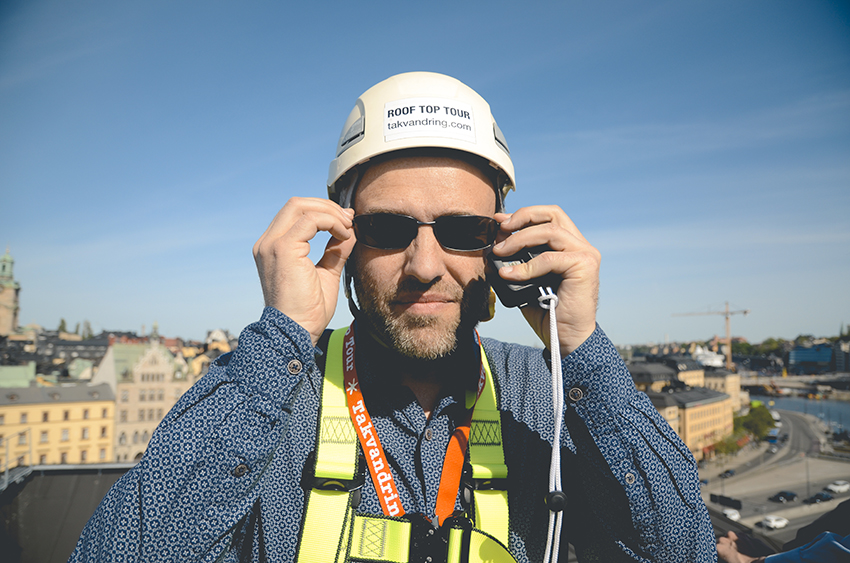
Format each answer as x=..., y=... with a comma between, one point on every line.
x=333, y=530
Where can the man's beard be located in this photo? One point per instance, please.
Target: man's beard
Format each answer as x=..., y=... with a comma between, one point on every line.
x=421, y=337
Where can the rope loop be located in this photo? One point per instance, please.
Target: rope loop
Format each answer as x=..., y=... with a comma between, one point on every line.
x=549, y=300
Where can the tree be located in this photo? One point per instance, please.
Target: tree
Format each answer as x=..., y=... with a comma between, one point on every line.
x=771, y=346
x=804, y=339
x=87, y=331
x=77, y=329
x=743, y=348
x=63, y=326
x=728, y=445
x=758, y=422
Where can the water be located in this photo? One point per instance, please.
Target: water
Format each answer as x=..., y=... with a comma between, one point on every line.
x=835, y=413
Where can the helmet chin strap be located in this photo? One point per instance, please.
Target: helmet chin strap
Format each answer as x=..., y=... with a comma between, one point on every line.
x=346, y=201
x=348, y=279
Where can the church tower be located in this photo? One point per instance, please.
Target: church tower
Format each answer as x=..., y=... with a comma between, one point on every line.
x=9, y=296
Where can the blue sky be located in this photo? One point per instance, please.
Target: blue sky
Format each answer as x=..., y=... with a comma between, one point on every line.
x=703, y=147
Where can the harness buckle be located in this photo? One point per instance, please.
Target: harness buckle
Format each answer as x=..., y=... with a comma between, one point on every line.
x=469, y=485
x=353, y=486
x=428, y=543
x=457, y=529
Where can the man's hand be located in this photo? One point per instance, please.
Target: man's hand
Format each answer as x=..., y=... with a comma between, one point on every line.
x=305, y=292
x=727, y=549
x=572, y=258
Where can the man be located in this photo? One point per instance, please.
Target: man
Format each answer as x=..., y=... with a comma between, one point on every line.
x=409, y=437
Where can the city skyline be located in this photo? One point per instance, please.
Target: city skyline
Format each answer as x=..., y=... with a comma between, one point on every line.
x=703, y=148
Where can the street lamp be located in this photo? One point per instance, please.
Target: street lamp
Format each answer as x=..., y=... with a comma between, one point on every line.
x=808, y=492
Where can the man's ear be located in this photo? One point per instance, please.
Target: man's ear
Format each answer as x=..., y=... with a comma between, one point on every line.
x=491, y=307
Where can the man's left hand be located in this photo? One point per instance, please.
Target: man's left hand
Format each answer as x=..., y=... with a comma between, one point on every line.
x=572, y=258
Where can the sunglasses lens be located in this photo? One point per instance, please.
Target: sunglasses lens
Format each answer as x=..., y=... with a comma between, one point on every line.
x=385, y=230
x=465, y=233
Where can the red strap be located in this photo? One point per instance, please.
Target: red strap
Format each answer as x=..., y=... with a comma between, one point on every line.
x=452, y=471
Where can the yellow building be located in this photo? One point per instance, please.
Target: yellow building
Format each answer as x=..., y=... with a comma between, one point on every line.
x=148, y=380
x=729, y=383
x=704, y=417
x=668, y=408
x=51, y=425
x=691, y=373
x=651, y=376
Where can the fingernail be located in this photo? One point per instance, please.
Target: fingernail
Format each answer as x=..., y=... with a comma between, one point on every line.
x=507, y=270
x=348, y=211
x=500, y=245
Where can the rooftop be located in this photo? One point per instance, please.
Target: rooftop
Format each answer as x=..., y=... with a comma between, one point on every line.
x=60, y=394
x=690, y=397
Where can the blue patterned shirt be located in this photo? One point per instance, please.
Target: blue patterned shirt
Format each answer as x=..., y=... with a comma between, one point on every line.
x=222, y=477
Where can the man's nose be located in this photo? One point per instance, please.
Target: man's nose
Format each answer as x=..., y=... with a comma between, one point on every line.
x=425, y=257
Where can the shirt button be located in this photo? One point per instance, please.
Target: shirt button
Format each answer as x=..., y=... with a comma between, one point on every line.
x=294, y=367
x=575, y=394
x=429, y=434
x=630, y=478
x=240, y=470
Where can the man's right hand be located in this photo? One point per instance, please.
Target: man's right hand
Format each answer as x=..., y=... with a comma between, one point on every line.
x=305, y=292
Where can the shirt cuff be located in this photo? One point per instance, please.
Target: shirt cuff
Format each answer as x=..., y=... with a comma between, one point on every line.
x=596, y=379
x=272, y=355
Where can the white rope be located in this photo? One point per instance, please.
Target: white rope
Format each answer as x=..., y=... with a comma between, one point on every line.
x=548, y=300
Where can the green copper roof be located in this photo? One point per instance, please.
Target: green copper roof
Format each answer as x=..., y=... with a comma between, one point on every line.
x=17, y=376
x=7, y=278
x=126, y=356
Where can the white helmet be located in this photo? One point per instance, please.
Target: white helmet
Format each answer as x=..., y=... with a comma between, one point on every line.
x=418, y=110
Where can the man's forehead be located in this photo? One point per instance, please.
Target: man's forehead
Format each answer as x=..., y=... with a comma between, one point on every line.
x=444, y=185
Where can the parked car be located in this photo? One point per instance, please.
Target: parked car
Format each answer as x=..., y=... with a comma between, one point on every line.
x=731, y=514
x=703, y=481
x=772, y=449
x=818, y=498
x=784, y=496
x=838, y=487
x=726, y=474
x=773, y=522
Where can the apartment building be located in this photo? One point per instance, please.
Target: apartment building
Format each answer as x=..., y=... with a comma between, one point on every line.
x=49, y=425
x=651, y=376
x=730, y=383
x=147, y=380
x=704, y=417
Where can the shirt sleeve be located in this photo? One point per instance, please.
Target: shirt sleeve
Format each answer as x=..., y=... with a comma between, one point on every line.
x=632, y=486
x=199, y=478
x=828, y=547
x=638, y=459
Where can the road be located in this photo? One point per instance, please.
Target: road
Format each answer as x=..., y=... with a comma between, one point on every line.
x=760, y=475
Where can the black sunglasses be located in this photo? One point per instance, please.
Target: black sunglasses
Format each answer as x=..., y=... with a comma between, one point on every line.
x=389, y=231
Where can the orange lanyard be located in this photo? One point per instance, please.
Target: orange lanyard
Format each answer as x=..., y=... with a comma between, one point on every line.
x=376, y=459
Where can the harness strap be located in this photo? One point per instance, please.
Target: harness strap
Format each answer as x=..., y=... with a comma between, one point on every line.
x=332, y=501
x=336, y=443
x=326, y=510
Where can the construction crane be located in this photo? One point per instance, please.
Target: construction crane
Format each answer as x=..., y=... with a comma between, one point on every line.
x=727, y=314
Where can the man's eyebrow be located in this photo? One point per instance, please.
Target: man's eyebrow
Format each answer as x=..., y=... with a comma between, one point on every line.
x=451, y=213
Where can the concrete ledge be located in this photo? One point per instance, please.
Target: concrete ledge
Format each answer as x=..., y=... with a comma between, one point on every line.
x=792, y=510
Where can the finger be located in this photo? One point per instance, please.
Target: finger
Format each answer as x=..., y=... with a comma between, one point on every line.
x=336, y=254
x=565, y=264
x=297, y=207
x=538, y=214
x=295, y=241
x=549, y=234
